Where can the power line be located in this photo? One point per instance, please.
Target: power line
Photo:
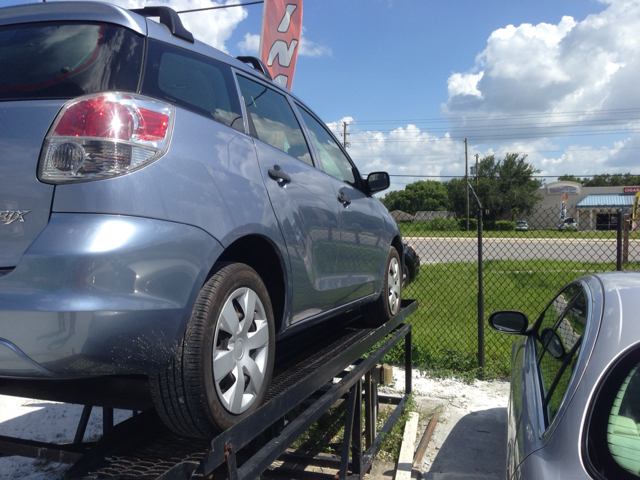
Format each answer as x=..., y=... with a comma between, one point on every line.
x=524, y=126
x=221, y=6
x=493, y=153
x=480, y=139
x=484, y=118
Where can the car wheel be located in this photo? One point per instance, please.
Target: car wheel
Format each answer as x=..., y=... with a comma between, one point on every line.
x=388, y=303
x=223, y=366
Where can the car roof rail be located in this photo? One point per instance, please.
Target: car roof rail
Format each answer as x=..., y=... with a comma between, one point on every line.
x=168, y=17
x=257, y=64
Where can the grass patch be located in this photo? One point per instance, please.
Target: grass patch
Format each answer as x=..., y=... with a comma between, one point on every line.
x=327, y=434
x=445, y=325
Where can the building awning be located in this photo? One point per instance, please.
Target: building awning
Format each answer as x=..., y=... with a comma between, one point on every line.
x=610, y=200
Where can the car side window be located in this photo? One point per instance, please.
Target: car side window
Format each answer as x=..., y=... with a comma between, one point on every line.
x=559, y=338
x=195, y=82
x=334, y=161
x=272, y=120
x=613, y=426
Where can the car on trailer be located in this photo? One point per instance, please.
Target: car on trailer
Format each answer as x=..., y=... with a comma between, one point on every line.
x=574, y=405
x=170, y=211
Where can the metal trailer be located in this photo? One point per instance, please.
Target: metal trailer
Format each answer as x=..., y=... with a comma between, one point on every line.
x=316, y=377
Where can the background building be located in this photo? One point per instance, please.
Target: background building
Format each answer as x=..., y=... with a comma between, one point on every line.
x=595, y=208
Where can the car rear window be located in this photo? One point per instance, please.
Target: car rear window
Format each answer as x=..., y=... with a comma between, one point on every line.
x=66, y=60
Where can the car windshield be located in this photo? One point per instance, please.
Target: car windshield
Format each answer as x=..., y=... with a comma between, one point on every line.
x=65, y=60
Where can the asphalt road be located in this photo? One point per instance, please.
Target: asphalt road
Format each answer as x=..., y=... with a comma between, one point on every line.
x=451, y=249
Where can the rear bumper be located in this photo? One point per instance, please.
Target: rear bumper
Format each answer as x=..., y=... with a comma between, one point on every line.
x=101, y=294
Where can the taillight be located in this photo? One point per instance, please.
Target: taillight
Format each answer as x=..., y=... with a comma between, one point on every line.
x=105, y=135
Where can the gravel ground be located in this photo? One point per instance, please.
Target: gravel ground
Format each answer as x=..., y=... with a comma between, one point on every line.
x=470, y=438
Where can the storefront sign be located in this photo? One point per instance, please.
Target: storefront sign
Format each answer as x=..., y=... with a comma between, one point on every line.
x=560, y=189
x=281, y=30
x=631, y=189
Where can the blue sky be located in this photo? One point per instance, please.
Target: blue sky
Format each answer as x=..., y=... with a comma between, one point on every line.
x=555, y=79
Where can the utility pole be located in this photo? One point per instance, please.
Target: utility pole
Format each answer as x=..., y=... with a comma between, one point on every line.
x=344, y=135
x=477, y=155
x=466, y=178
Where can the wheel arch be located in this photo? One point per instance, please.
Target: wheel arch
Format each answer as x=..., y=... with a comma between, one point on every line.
x=397, y=244
x=264, y=257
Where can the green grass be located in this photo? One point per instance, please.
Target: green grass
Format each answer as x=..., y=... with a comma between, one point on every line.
x=419, y=229
x=445, y=331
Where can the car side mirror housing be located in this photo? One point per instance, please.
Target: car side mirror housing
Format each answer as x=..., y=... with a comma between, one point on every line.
x=509, y=321
x=378, y=181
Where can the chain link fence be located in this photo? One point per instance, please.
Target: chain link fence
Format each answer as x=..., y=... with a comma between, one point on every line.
x=526, y=261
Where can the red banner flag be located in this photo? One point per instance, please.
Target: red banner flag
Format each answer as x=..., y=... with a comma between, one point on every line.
x=280, y=38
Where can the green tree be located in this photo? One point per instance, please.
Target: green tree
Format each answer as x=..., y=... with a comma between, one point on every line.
x=504, y=188
x=429, y=195
x=605, y=180
x=571, y=178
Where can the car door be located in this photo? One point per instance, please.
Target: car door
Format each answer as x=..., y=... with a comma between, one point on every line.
x=363, y=243
x=301, y=195
x=539, y=389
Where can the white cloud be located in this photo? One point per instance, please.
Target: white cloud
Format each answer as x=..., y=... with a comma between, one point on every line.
x=312, y=49
x=251, y=46
x=533, y=74
x=213, y=27
x=464, y=84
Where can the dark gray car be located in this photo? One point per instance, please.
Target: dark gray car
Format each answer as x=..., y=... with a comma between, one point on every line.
x=169, y=211
x=574, y=407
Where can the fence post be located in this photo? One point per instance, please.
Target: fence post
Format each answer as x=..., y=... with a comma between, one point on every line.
x=619, y=243
x=625, y=239
x=480, y=281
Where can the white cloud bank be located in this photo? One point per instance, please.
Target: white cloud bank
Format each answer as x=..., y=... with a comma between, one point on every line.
x=587, y=67
x=533, y=74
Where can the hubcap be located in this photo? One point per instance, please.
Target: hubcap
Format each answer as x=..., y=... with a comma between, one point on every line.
x=240, y=350
x=394, y=279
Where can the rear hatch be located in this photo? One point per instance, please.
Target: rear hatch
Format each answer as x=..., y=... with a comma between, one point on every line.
x=43, y=65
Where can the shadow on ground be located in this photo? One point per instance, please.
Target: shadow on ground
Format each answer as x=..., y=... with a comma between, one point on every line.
x=474, y=449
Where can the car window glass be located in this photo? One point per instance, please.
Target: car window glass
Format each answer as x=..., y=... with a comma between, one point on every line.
x=334, y=162
x=273, y=119
x=66, y=60
x=623, y=430
x=559, y=346
x=195, y=82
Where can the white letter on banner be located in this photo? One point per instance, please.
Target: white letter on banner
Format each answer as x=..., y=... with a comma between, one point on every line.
x=281, y=50
x=286, y=20
x=282, y=80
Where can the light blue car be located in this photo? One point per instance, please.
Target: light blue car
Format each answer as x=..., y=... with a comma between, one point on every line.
x=168, y=210
x=574, y=407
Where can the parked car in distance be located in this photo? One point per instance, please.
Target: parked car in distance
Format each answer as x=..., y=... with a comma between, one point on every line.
x=574, y=405
x=568, y=222
x=170, y=212
x=411, y=267
x=522, y=226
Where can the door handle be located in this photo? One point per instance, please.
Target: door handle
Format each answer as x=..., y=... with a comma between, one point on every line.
x=343, y=199
x=278, y=175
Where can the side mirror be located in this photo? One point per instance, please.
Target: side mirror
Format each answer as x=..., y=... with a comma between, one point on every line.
x=509, y=321
x=378, y=181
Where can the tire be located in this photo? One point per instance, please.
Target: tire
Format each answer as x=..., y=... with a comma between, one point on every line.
x=387, y=304
x=405, y=275
x=231, y=330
